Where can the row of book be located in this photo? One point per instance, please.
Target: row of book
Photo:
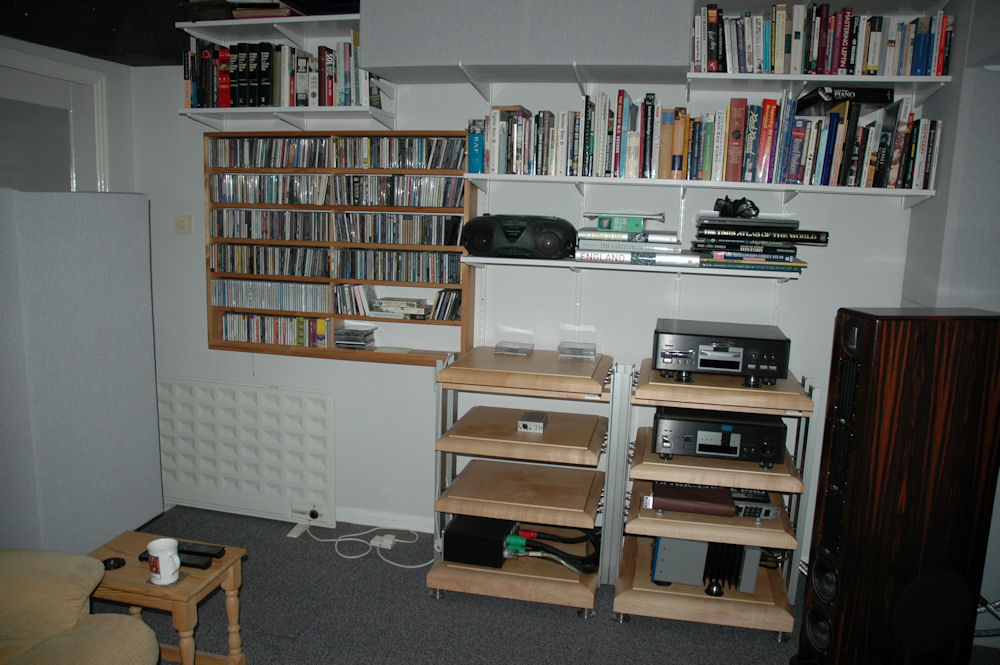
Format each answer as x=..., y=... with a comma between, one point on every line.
x=251, y=74
x=269, y=260
x=271, y=152
x=301, y=331
x=399, y=152
x=397, y=228
x=268, y=224
x=800, y=38
x=263, y=294
x=396, y=266
x=605, y=137
x=269, y=188
x=399, y=190
x=853, y=137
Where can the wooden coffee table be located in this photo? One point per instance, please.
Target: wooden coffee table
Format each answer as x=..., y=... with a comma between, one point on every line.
x=130, y=585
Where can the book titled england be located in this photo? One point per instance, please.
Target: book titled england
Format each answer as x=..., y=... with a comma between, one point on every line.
x=639, y=258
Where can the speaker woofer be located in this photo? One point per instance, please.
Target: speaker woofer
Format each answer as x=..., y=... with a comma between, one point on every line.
x=825, y=579
x=818, y=628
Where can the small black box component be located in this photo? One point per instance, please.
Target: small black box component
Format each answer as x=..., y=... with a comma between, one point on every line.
x=478, y=541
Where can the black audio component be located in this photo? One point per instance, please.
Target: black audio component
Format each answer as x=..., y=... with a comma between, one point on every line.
x=908, y=470
x=716, y=566
x=478, y=541
x=757, y=352
x=519, y=236
x=752, y=437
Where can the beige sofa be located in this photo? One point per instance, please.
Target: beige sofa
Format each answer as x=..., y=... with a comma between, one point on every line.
x=45, y=614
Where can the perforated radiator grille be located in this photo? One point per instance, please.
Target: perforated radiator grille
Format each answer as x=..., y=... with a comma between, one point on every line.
x=251, y=450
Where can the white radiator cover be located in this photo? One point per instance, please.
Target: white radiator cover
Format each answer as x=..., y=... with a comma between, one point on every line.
x=250, y=450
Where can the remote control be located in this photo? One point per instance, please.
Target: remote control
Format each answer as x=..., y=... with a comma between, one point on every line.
x=189, y=560
x=201, y=549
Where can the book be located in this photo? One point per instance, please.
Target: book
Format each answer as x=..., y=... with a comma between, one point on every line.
x=591, y=233
x=706, y=220
x=639, y=258
x=751, y=142
x=677, y=145
x=747, y=256
x=476, y=130
x=627, y=246
x=775, y=266
x=753, y=234
x=682, y=497
x=734, y=141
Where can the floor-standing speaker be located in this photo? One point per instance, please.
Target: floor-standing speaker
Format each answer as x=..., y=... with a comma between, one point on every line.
x=907, y=480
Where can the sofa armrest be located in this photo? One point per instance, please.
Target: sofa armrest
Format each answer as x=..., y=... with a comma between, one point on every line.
x=44, y=592
x=99, y=639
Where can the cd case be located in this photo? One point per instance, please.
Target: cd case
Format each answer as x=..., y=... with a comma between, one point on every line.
x=577, y=350
x=513, y=348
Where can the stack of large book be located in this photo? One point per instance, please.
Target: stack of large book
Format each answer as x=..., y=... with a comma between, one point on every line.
x=624, y=239
x=753, y=243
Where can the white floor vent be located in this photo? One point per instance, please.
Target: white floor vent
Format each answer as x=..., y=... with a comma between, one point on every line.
x=251, y=450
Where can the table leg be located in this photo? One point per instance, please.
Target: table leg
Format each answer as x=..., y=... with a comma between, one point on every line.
x=185, y=619
x=231, y=585
x=135, y=611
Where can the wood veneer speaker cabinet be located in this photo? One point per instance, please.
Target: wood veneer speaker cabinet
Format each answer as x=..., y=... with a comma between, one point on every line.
x=908, y=471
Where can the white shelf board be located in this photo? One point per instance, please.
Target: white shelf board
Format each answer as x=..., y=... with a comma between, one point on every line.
x=570, y=264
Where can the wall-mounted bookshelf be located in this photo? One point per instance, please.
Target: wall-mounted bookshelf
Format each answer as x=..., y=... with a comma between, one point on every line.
x=311, y=233
x=303, y=70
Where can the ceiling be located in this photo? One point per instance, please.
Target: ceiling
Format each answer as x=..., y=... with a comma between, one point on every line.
x=132, y=32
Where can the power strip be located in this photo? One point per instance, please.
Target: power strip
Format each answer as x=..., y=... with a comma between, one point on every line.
x=384, y=542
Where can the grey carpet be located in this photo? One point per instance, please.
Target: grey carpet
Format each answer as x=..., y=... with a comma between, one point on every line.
x=302, y=604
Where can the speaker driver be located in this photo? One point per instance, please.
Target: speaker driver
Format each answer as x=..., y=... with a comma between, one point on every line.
x=819, y=628
x=825, y=582
x=548, y=244
x=481, y=241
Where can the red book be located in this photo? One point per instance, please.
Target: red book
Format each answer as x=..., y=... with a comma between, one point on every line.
x=845, y=40
x=765, y=165
x=618, y=133
x=225, y=99
x=734, y=139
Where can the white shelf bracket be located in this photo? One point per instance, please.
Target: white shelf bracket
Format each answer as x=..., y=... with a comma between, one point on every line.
x=206, y=35
x=296, y=121
x=297, y=38
x=908, y=202
x=213, y=123
x=579, y=79
x=787, y=195
x=482, y=88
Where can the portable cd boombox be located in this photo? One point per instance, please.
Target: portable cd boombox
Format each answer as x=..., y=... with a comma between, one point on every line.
x=519, y=236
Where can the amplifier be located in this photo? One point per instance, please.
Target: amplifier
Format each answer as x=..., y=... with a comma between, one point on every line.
x=714, y=565
x=754, y=437
x=757, y=352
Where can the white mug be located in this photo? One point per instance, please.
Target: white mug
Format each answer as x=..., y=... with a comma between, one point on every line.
x=164, y=563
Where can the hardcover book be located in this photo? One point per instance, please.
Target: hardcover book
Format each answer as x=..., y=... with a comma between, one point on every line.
x=702, y=499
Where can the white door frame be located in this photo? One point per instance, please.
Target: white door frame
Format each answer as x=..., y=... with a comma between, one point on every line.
x=72, y=74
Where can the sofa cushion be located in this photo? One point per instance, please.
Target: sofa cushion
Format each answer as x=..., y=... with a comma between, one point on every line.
x=44, y=592
x=99, y=639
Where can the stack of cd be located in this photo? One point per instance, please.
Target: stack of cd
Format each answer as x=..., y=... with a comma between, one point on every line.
x=361, y=338
x=577, y=350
